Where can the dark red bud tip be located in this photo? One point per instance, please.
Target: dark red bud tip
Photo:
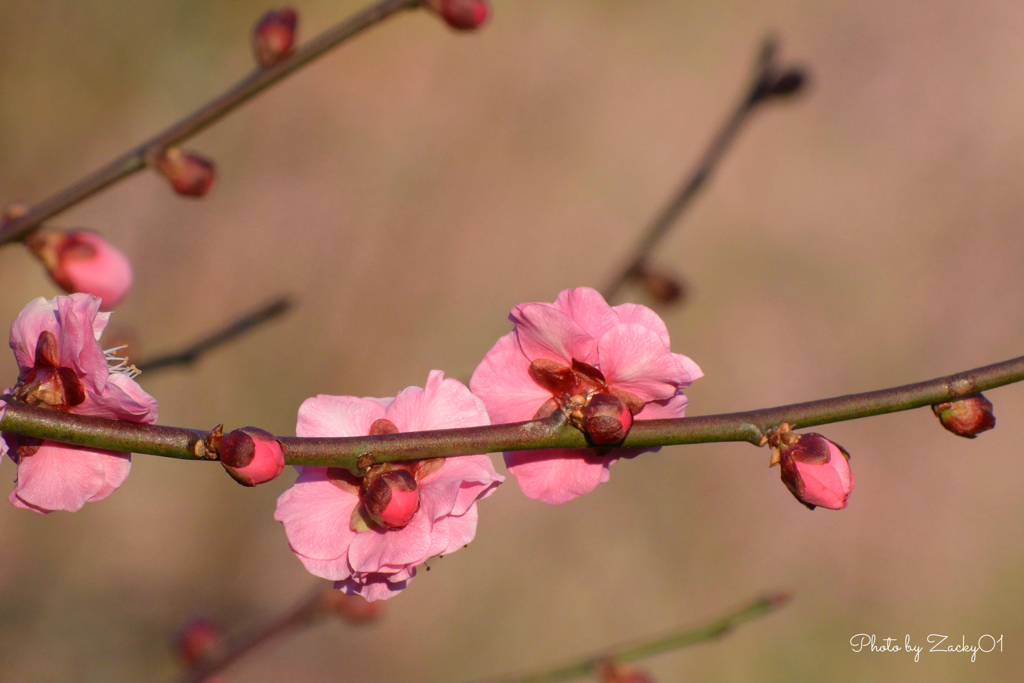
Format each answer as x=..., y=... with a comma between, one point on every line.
x=790, y=82
x=251, y=456
x=607, y=419
x=352, y=608
x=198, y=640
x=967, y=417
x=273, y=38
x=190, y=174
x=662, y=287
x=392, y=499
x=463, y=15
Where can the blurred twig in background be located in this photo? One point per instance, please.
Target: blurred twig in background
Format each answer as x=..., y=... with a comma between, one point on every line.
x=626, y=654
x=191, y=353
x=770, y=82
x=324, y=601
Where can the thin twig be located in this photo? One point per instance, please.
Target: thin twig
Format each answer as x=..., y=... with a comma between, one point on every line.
x=626, y=654
x=191, y=353
x=767, y=75
x=357, y=453
x=256, y=82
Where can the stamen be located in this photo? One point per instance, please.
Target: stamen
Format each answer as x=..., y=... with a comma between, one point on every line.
x=120, y=365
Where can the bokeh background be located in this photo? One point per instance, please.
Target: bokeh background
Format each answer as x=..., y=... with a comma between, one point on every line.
x=412, y=186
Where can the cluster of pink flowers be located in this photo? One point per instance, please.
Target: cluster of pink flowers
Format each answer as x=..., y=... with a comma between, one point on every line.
x=601, y=367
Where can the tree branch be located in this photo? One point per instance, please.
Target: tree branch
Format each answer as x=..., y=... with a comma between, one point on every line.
x=768, y=81
x=358, y=453
x=256, y=82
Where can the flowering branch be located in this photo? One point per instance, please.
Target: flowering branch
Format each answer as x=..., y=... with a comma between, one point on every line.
x=148, y=152
x=231, y=331
x=769, y=82
x=358, y=453
x=626, y=654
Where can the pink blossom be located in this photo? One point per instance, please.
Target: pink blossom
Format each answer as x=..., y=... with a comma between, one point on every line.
x=561, y=356
x=369, y=535
x=63, y=368
x=815, y=470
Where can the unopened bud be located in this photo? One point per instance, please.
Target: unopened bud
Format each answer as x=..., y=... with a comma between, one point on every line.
x=606, y=419
x=352, y=608
x=274, y=36
x=251, y=456
x=789, y=82
x=609, y=671
x=82, y=261
x=967, y=417
x=661, y=286
x=815, y=470
x=198, y=640
x=463, y=15
x=190, y=174
x=392, y=498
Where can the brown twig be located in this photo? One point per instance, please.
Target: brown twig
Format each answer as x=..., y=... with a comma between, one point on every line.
x=769, y=82
x=256, y=82
x=191, y=353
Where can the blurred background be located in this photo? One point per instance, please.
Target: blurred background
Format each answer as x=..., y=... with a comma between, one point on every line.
x=412, y=186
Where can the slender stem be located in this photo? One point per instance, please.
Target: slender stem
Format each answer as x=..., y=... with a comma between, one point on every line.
x=136, y=159
x=625, y=654
x=357, y=453
x=234, y=329
x=757, y=92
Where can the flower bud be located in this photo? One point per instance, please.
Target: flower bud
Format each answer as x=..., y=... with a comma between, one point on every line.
x=274, y=36
x=609, y=671
x=464, y=15
x=352, y=608
x=251, y=456
x=82, y=261
x=815, y=470
x=198, y=640
x=606, y=419
x=661, y=286
x=392, y=498
x=190, y=175
x=789, y=82
x=967, y=417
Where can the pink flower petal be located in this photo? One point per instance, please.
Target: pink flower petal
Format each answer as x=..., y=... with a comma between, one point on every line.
x=439, y=535
x=544, y=331
x=375, y=586
x=441, y=404
x=121, y=399
x=666, y=409
x=555, y=476
x=503, y=382
x=457, y=485
x=116, y=468
x=690, y=370
x=634, y=359
x=326, y=415
x=371, y=551
x=59, y=477
x=461, y=530
x=822, y=486
x=316, y=515
x=79, y=349
x=588, y=309
x=40, y=315
x=635, y=314
x=337, y=569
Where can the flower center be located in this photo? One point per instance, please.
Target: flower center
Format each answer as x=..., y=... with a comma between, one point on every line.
x=120, y=365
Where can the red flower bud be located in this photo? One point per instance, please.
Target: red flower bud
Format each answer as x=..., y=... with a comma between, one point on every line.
x=198, y=640
x=789, y=82
x=392, y=498
x=463, y=15
x=274, y=36
x=662, y=287
x=609, y=671
x=82, y=261
x=606, y=419
x=190, y=175
x=251, y=456
x=967, y=417
x=815, y=470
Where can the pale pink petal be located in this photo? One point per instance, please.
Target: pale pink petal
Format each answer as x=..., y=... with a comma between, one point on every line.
x=837, y=461
x=375, y=586
x=370, y=551
x=332, y=570
x=503, y=382
x=40, y=315
x=822, y=486
x=544, y=331
x=635, y=314
x=439, y=535
x=663, y=410
x=461, y=530
x=688, y=368
x=457, y=485
x=116, y=468
x=79, y=349
x=441, y=404
x=326, y=415
x=588, y=309
x=555, y=476
x=121, y=399
x=99, y=324
x=316, y=515
x=59, y=477
x=634, y=359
